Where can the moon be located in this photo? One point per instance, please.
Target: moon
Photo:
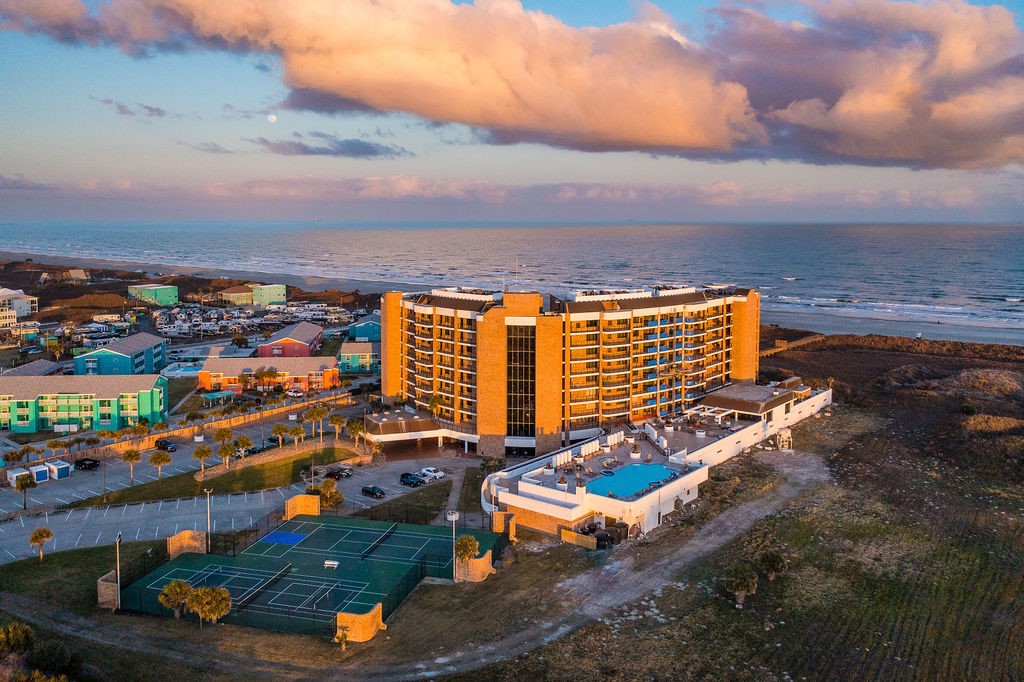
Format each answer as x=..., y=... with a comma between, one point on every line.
x=271, y=118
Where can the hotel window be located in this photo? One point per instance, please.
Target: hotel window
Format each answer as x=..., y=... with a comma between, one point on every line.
x=521, y=378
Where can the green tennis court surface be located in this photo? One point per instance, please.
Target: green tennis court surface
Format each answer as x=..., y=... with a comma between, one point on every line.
x=297, y=577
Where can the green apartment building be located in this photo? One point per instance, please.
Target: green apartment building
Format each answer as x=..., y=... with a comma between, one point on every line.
x=157, y=294
x=78, y=403
x=264, y=295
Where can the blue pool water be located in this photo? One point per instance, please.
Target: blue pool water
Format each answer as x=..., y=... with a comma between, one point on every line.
x=629, y=480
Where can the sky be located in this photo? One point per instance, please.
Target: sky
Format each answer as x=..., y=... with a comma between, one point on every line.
x=501, y=111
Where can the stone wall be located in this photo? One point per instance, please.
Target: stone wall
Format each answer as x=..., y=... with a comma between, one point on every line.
x=504, y=522
x=474, y=570
x=363, y=626
x=540, y=522
x=186, y=541
x=301, y=504
x=106, y=591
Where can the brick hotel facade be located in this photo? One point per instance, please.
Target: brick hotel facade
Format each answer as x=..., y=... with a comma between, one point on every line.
x=527, y=372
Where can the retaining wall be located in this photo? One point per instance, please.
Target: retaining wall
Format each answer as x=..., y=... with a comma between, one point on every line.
x=301, y=504
x=361, y=627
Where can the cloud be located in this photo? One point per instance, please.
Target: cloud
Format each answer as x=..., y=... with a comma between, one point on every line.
x=933, y=84
x=936, y=83
x=331, y=146
x=18, y=183
x=141, y=109
x=208, y=147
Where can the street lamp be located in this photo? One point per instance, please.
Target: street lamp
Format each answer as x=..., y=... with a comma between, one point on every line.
x=117, y=551
x=207, y=491
x=453, y=516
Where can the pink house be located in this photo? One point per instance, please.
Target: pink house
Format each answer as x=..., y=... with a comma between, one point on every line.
x=300, y=340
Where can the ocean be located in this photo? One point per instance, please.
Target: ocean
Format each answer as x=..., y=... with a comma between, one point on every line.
x=963, y=282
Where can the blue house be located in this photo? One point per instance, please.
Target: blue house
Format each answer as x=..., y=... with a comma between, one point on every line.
x=366, y=328
x=136, y=354
x=359, y=357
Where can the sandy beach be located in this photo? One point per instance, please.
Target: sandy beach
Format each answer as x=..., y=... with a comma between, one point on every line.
x=308, y=283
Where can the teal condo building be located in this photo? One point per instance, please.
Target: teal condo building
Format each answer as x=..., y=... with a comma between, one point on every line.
x=77, y=403
x=157, y=294
x=136, y=354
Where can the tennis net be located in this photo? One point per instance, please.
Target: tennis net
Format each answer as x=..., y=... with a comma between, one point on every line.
x=253, y=592
x=376, y=543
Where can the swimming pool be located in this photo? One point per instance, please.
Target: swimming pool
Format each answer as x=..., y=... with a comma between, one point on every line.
x=629, y=480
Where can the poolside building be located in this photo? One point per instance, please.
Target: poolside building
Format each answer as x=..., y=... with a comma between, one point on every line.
x=71, y=403
x=521, y=373
x=300, y=340
x=164, y=295
x=140, y=353
x=635, y=476
x=359, y=357
x=235, y=374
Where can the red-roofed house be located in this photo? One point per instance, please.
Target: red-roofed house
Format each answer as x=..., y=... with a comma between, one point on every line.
x=300, y=340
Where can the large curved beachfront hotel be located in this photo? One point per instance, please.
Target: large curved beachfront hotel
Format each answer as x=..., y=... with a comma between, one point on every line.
x=529, y=372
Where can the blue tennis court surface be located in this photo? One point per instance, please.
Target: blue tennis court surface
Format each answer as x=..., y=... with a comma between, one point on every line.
x=282, y=537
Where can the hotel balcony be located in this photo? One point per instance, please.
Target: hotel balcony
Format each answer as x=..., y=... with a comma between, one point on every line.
x=617, y=368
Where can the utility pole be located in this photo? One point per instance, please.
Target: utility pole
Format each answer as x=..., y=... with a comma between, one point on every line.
x=207, y=491
x=117, y=550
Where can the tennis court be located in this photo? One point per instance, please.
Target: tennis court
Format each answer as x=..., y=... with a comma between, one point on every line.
x=297, y=577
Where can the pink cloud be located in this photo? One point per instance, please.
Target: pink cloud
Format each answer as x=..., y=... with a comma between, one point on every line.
x=920, y=84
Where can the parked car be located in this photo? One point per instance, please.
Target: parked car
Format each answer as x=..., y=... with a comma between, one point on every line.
x=430, y=473
x=373, y=491
x=165, y=444
x=294, y=393
x=411, y=480
x=344, y=472
x=87, y=464
x=256, y=448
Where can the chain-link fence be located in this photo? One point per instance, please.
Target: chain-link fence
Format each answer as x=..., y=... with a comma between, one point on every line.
x=234, y=542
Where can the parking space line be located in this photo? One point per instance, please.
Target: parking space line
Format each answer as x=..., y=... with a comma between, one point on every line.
x=78, y=540
x=94, y=493
x=61, y=500
x=88, y=510
x=69, y=513
x=9, y=552
x=78, y=496
x=98, y=538
x=125, y=510
x=137, y=533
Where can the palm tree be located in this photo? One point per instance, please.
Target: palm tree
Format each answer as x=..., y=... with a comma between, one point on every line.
x=356, y=429
x=26, y=451
x=23, y=484
x=56, y=445
x=175, y=595
x=435, y=404
x=741, y=580
x=244, y=380
x=93, y=441
x=297, y=433
x=223, y=436
x=224, y=452
x=131, y=457
x=202, y=453
x=160, y=426
x=39, y=537
x=193, y=417
x=337, y=421
x=209, y=603
x=318, y=414
x=159, y=459
x=279, y=431
x=243, y=443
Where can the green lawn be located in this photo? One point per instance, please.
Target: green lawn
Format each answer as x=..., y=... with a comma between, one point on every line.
x=330, y=348
x=269, y=475
x=469, y=496
x=59, y=578
x=421, y=505
x=178, y=389
x=37, y=437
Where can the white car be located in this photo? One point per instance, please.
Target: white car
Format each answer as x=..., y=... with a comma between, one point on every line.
x=294, y=393
x=430, y=473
